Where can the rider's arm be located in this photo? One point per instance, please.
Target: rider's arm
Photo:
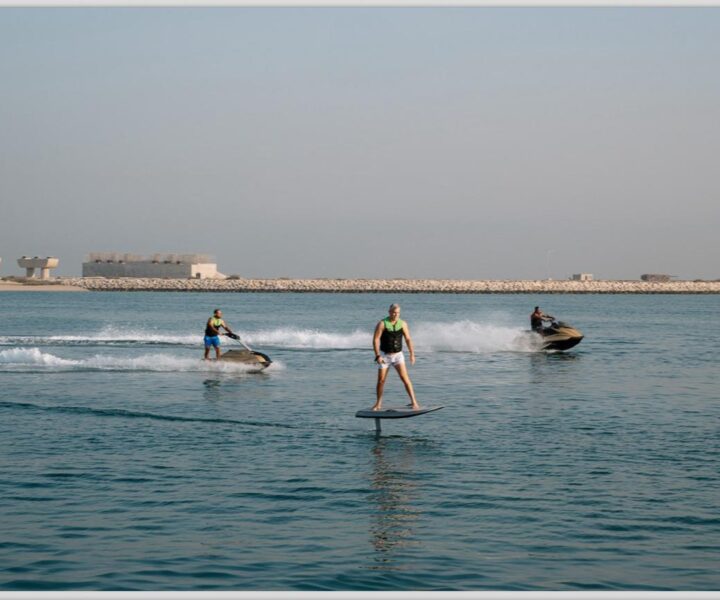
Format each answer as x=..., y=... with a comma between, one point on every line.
x=226, y=327
x=376, y=340
x=408, y=339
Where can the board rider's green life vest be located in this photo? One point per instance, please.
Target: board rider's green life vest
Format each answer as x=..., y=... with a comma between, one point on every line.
x=392, y=336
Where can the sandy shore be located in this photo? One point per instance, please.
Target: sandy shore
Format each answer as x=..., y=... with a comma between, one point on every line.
x=445, y=286
x=8, y=286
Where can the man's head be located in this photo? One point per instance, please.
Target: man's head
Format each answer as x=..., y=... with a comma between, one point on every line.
x=217, y=313
x=394, y=311
x=537, y=309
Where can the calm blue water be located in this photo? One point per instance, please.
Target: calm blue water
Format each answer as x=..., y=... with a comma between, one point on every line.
x=127, y=463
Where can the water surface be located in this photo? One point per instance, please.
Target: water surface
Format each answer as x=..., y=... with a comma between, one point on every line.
x=128, y=463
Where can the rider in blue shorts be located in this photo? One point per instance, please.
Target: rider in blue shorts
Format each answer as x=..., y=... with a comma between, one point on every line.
x=212, y=333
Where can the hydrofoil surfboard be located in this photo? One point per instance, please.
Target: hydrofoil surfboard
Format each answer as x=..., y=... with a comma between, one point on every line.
x=395, y=413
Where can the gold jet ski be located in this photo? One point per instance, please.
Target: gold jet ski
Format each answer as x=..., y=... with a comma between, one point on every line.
x=246, y=356
x=560, y=336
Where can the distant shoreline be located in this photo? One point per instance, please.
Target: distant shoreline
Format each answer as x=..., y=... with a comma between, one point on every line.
x=369, y=286
x=8, y=286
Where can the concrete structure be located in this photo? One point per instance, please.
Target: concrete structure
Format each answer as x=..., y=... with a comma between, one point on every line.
x=44, y=264
x=160, y=266
x=582, y=277
x=656, y=277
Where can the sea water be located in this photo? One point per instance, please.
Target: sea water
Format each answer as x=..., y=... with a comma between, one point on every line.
x=127, y=463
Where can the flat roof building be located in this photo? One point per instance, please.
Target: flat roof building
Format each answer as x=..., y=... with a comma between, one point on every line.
x=161, y=266
x=656, y=277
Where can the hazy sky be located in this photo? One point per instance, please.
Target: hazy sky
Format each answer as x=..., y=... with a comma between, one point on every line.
x=458, y=143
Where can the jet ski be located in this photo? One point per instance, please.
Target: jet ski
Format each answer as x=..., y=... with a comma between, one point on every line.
x=560, y=336
x=246, y=356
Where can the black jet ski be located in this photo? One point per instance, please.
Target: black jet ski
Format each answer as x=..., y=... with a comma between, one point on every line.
x=246, y=356
x=560, y=336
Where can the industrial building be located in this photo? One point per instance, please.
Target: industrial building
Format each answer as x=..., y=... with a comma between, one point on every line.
x=162, y=266
x=656, y=277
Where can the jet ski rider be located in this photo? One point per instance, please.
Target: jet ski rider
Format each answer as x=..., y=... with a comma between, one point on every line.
x=536, y=320
x=212, y=333
x=387, y=344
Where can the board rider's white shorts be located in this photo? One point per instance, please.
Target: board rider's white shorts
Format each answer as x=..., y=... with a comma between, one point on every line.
x=392, y=358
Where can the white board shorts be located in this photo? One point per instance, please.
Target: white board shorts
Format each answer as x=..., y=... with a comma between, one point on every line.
x=391, y=359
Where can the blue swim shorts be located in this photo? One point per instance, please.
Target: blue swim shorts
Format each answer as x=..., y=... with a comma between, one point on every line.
x=212, y=340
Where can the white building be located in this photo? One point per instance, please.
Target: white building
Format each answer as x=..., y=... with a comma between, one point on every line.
x=582, y=277
x=162, y=266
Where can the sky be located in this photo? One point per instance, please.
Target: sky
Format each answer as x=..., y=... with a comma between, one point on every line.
x=478, y=143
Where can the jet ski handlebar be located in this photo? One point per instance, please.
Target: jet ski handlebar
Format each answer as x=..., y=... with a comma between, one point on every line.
x=236, y=337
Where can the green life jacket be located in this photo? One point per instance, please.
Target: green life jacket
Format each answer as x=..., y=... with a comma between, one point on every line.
x=392, y=336
x=216, y=324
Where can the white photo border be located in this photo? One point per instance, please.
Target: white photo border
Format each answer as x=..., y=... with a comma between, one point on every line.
x=358, y=595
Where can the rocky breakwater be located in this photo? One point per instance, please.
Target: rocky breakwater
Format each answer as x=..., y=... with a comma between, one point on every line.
x=418, y=286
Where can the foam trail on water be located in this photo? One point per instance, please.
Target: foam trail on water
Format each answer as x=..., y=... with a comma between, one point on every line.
x=108, y=336
x=455, y=336
x=308, y=338
x=33, y=356
x=34, y=359
x=287, y=337
x=470, y=336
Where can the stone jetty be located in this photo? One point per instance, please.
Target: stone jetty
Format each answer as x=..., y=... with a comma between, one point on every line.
x=413, y=286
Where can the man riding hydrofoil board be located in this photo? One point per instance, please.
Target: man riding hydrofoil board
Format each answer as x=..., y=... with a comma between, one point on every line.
x=387, y=344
